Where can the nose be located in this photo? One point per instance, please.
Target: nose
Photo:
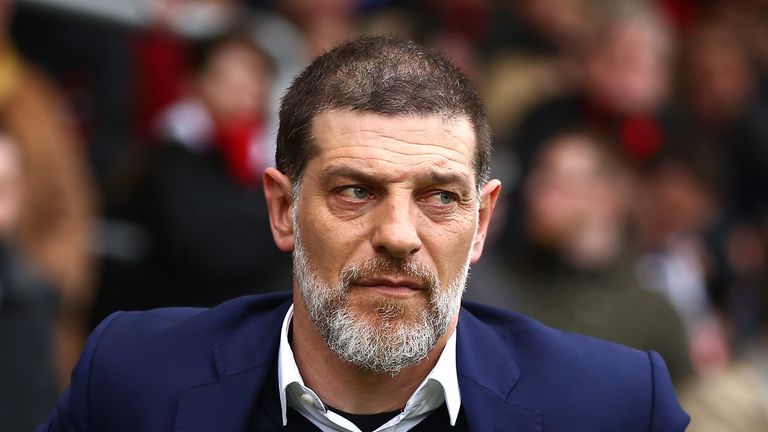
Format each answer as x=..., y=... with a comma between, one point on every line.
x=395, y=232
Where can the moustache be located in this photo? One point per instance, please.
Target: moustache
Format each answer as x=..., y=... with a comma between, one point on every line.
x=389, y=267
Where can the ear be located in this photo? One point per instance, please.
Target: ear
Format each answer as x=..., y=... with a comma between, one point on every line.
x=279, y=195
x=488, y=196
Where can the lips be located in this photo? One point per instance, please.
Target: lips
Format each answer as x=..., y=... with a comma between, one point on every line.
x=390, y=283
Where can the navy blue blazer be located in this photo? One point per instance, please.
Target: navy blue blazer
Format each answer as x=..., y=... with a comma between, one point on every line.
x=187, y=369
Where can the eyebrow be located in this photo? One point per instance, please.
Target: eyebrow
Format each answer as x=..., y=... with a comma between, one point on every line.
x=432, y=177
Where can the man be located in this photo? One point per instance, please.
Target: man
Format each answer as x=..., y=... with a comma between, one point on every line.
x=380, y=191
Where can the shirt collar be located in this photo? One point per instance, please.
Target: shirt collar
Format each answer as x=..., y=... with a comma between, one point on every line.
x=444, y=374
x=287, y=370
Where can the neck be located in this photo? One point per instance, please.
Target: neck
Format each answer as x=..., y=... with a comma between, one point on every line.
x=346, y=386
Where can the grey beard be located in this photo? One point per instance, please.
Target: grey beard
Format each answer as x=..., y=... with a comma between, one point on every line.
x=382, y=343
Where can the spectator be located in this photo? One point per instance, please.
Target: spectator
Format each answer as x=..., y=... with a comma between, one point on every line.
x=626, y=71
x=722, y=125
x=577, y=270
x=28, y=308
x=201, y=197
x=57, y=215
x=673, y=209
x=722, y=130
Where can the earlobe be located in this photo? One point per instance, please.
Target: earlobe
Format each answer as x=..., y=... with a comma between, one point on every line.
x=489, y=195
x=278, y=193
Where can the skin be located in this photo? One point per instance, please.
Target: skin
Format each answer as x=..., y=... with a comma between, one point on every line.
x=11, y=186
x=574, y=205
x=235, y=83
x=399, y=186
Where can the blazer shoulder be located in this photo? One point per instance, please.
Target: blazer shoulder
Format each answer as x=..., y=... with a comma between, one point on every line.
x=530, y=338
x=149, y=357
x=180, y=329
x=567, y=374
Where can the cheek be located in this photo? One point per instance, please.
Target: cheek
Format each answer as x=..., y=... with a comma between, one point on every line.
x=449, y=247
x=330, y=243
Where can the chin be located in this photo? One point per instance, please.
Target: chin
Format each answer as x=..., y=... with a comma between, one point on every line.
x=389, y=309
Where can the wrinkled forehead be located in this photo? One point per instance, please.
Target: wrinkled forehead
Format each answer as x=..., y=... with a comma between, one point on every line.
x=403, y=143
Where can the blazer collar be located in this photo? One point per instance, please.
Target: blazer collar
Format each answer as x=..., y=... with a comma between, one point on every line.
x=488, y=374
x=243, y=361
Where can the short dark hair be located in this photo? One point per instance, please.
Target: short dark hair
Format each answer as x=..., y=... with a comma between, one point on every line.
x=379, y=74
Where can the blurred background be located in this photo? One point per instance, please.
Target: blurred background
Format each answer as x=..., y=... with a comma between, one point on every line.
x=631, y=138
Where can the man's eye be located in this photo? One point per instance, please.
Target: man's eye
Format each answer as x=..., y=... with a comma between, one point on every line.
x=356, y=193
x=443, y=198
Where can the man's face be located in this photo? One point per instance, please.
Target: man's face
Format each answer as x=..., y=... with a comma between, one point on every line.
x=386, y=222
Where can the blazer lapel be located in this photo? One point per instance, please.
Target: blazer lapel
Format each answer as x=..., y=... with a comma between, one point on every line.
x=243, y=361
x=487, y=374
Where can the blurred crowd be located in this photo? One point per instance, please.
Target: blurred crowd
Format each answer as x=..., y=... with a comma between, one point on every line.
x=631, y=137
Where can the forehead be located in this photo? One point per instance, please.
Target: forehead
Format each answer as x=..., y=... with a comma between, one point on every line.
x=399, y=146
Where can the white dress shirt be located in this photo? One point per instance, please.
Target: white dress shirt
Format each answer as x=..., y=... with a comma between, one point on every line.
x=440, y=386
